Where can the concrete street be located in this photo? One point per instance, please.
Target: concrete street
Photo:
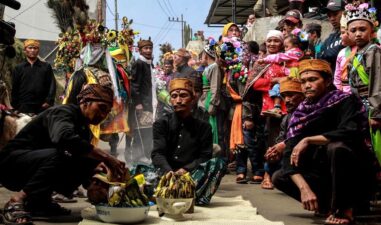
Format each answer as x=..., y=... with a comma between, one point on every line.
x=271, y=204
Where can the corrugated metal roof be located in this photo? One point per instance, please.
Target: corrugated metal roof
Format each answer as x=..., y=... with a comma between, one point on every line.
x=220, y=12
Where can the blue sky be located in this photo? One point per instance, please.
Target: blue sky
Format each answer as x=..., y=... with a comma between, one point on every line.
x=151, y=19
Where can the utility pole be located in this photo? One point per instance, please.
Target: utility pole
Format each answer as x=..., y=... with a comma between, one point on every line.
x=182, y=27
x=234, y=8
x=116, y=15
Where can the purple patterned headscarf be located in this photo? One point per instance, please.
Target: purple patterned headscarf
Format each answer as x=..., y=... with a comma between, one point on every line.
x=308, y=112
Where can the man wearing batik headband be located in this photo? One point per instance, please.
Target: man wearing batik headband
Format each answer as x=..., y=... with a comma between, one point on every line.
x=211, y=91
x=141, y=112
x=53, y=153
x=325, y=149
x=182, y=143
x=33, y=82
x=365, y=67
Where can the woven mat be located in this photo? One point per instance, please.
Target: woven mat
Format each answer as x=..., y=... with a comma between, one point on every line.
x=221, y=211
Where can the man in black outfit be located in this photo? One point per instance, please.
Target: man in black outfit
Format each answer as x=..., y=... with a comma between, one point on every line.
x=53, y=153
x=325, y=148
x=33, y=82
x=140, y=115
x=332, y=45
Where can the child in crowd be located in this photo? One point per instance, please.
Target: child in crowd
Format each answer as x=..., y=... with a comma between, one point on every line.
x=290, y=57
x=345, y=55
x=364, y=69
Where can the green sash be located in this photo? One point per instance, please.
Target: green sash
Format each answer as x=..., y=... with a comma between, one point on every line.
x=374, y=135
x=212, y=119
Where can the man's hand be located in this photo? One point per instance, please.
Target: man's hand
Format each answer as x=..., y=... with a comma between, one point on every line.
x=181, y=171
x=248, y=125
x=45, y=105
x=117, y=167
x=298, y=149
x=375, y=124
x=309, y=199
x=274, y=153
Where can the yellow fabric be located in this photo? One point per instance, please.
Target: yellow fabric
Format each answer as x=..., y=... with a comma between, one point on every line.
x=289, y=84
x=236, y=132
x=31, y=42
x=126, y=50
x=90, y=79
x=314, y=65
x=226, y=28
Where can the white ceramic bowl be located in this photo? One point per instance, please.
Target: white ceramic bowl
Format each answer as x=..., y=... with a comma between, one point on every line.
x=122, y=215
x=174, y=206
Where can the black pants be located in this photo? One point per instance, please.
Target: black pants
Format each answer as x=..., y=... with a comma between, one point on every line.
x=40, y=172
x=335, y=184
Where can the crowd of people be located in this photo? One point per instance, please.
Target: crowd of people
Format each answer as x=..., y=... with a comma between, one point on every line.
x=304, y=112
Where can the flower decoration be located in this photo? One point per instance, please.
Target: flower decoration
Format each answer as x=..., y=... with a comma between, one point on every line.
x=230, y=52
x=361, y=12
x=69, y=47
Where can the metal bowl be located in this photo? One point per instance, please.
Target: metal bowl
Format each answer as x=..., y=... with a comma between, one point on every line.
x=122, y=214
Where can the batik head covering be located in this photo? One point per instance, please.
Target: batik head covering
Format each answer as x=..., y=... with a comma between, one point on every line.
x=96, y=93
x=31, y=42
x=181, y=84
x=276, y=34
x=289, y=84
x=315, y=65
x=144, y=43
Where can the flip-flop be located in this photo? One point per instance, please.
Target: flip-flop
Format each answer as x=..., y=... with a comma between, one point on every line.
x=256, y=180
x=241, y=180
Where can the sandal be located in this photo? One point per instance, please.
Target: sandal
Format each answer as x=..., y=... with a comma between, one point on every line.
x=339, y=218
x=241, y=179
x=14, y=211
x=256, y=179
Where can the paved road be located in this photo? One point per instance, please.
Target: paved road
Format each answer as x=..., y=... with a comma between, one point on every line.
x=271, y=204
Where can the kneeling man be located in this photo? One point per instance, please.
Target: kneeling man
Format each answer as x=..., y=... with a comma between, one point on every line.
x=182, y=143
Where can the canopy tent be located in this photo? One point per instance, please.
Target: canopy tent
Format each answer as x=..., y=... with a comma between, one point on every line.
x=225, y=11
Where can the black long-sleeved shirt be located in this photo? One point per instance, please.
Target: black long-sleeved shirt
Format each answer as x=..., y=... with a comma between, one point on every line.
x=180, y=143
x=141, y=84
x=343, y=122
x=62, y=127
x=331, y=48
x=32, y=86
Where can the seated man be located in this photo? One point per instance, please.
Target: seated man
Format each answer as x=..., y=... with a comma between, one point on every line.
x=292, y=95
x=53, y=153
x=182, y=143
x=325, y=149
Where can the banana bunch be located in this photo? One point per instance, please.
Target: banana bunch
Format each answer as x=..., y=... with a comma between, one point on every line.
x=172, y=185
x=128, y=195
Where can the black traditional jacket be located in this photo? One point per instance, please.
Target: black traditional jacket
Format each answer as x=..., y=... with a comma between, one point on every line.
x=180, y=143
